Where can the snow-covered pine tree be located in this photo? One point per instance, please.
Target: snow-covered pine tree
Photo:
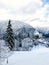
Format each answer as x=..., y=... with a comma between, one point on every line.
x=9, y=36
x=20, y=39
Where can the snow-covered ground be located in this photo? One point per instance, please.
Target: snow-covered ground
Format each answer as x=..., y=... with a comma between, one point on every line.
x=4, y=52
x=38, y=56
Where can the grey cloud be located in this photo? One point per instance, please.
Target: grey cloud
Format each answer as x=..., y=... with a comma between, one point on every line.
x=35, y=19
x=9, y=10
x=31, y=8
x=3, y=6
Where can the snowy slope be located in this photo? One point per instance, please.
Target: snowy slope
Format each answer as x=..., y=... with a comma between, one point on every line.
x=15, y=24
x=38, y=56
x=18, y=24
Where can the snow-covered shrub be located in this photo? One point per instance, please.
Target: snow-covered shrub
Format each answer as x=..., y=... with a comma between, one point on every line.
x=16, y=45
x=37, y=34
x=26, y=43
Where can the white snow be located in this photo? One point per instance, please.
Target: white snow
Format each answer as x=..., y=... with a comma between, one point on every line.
x=27, y=42
x=4, y=52
x=38, y=56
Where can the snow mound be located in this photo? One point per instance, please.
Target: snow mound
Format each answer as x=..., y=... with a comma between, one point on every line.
x=38, y=56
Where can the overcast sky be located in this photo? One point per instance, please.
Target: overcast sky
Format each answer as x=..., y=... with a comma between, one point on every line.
x=33, y=12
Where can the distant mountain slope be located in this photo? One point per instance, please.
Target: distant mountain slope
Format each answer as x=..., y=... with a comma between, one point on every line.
x=16, y=25
x=44, y=31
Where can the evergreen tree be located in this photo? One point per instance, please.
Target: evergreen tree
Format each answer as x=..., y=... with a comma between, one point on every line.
x=20, y=39
x=9, y=36
x=28, y=35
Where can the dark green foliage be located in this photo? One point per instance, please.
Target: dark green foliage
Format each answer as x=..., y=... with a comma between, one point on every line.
x=37, y=36
x=9, y=36
x=28, y=35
